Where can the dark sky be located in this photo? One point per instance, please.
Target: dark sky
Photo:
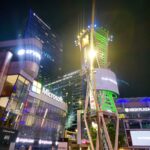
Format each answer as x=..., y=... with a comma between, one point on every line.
x=127, y=20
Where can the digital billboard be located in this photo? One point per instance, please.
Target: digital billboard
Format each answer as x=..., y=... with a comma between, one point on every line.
x=106, y=80
x=140, y=138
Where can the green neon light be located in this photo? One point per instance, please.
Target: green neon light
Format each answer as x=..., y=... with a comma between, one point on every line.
x=101, y=43
x=106, y=100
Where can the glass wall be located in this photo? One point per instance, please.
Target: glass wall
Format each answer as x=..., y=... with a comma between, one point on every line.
x=41, y=120
x=9, y=84
x=13, y=98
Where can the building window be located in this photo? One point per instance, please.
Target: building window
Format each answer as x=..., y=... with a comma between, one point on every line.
x=3, y=101
x=9, y=85
x=36, y=87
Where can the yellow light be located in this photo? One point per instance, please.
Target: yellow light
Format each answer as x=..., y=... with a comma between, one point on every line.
x=80, y=102
x=85, y=41
x=92, y=54
x=94, y=125
x=78, y=36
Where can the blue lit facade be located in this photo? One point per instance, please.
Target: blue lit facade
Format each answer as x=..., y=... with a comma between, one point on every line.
x=51, y=60
x=23, y=112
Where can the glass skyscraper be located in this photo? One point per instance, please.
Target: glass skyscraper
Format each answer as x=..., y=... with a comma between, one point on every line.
x=51, y=60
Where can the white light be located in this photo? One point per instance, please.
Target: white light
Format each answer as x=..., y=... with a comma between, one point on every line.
x=94, y=125
x=31, y=52
x=22, y=140
x=137, y=109
x=17, y=140
x=92, y=54
x=51, y=95
x=108, y=79
x=21, y=52
x=44, y=142
x=56, y=143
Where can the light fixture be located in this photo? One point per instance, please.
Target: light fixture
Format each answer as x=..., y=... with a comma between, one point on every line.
x=56, y=143
x=80, y=102
x=92, y=54
x=21, y=52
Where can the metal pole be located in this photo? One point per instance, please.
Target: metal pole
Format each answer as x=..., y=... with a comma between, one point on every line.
x=85, y=114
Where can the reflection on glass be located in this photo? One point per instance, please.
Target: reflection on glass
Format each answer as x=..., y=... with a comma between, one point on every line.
x=12, y=79
x=3, y=101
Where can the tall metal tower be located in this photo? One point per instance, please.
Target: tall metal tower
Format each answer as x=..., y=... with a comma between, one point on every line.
x=102, y=89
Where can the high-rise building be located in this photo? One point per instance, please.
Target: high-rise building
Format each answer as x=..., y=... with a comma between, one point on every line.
x=72, y=88
x=101, y=45
x=30, y=115
x=51, y=60
x=101, y=39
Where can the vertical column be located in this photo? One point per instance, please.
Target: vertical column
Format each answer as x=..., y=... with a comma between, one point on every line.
x=12, y=146
x=79, y=126
x=4, y=64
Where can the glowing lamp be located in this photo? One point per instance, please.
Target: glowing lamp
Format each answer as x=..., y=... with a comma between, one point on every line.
x=92, y=54
x=21, y=52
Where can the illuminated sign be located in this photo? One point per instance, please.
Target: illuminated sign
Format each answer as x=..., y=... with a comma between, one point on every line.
x=30, y=52
x=51, y=95
x=110, y=80
x=45, y=142
x=140, y=138
x=137, y=109
x=23, y=140
x=106, y=80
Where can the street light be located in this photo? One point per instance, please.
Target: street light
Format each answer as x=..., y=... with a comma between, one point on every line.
x=92, y=54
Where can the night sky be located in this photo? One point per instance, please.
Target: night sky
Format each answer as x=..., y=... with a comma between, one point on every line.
x=127, y=20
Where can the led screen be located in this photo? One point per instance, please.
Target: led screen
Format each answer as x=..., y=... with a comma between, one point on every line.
x=106, y=80
x=140, y=138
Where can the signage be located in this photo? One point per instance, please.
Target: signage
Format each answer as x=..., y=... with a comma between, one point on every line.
x=7, y=136
x=137, y=109
x=106, y=80
x=109, y=79
x=140, y=138
x=45, y=142
x=51, y=95
x=24, y=140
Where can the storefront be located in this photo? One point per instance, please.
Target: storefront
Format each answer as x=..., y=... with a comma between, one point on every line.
x=135, y=121
x=43, y=118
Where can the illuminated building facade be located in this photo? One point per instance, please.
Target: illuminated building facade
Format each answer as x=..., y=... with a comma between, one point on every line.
x=106, y=82
x=43, y=117
x=101, y=45
x=27, y=111
x=51, y=61
x=101, y=40
x=72, y=88
x=102, y=88
x=134, y=116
